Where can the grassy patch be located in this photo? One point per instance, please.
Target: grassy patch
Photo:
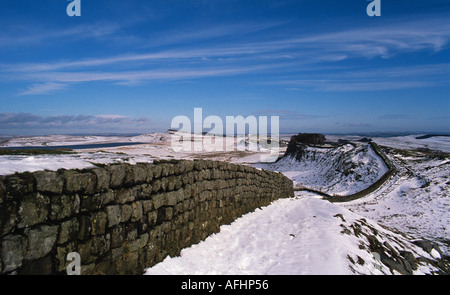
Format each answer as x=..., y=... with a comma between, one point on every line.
x=34, y=152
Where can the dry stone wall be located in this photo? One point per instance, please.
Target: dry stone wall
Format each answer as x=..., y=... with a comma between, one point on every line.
x=123, y=218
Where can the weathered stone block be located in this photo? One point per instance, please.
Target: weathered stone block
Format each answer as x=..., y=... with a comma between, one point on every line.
x=135, y=174
x=103, y=179
x=156, y=169
x=33, y=209
x=156, y=186
x=100, y=245
x=68, y=231
x=152, y=218
x=118, y=236
x=164, y=183
x=147, y=206
x=199, y=165
x=114, y=215
x=76, y=182
x=137, y=211
x=125, y=213
x=159, y=200
x=8, y=217
x=171, y=198
x=64, y=206
x=149, y=172
x=108, y=197
x=118, y=173
x=92, y=202
x=18, y=185
x=48, y=182
x=84, y=249
x=123, y=196
x=146, y=191
x=166, y=169
x=41, y=240
x=99, y=220
x=136, y=244
x=13, y=252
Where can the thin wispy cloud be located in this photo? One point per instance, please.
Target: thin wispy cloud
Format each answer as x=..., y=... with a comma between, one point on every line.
x=376, y=79
x=298, y=57
x=43, y=88
x=236, y=58
x=288, y=114
x=28, y=120
x=202, y=33
x=384, y=41
x=17, y=36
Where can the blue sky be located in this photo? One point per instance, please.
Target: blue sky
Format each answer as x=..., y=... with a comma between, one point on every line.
x=131, y=66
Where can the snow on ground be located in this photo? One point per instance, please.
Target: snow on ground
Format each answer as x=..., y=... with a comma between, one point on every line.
x=10, y=164
x=155, y=146
x=58, y=140
x=293, y=236
x=410, y=142
x=416, y=201
x=302, y=235
x=63, y=140
x=441, y=143
x=342, y=170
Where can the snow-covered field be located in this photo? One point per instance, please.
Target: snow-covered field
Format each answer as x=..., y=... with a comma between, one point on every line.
x=410, y=142
x=304, y=235
x=63, y=140
x=154, y=146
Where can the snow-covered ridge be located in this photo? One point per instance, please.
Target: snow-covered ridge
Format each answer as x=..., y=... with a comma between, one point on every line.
x=342, y=170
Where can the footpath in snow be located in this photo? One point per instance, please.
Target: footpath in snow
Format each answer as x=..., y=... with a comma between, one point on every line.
x=299, y=236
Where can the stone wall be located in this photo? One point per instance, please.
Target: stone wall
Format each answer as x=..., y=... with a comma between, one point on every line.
x=392, y=170
x=123, y=218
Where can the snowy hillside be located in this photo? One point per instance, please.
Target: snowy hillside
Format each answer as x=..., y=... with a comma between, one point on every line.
x=67, y=140
x=342, y=170
x=304, y=235
x=59, y=140
x=416, y=200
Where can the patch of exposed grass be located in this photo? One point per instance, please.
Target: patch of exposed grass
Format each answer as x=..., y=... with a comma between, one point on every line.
x=34, y=152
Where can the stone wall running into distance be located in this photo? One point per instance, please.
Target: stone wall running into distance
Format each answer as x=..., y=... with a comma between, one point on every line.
x=123, y=218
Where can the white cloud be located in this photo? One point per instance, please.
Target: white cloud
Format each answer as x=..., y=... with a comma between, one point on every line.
x=27, y=120
x=42, y=88
x=112, y=116
x=294, y=56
